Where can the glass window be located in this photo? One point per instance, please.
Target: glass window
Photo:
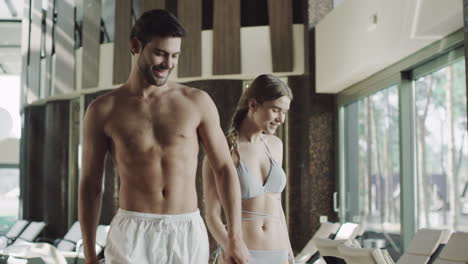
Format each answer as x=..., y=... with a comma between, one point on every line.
x=107, y=21
x=373, y=165
x=10, y=119
x=9, y=198
x=10, y=132
x=442, y=148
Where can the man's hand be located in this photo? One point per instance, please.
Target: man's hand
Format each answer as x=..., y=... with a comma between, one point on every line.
x=92, y=260
x=236, y=252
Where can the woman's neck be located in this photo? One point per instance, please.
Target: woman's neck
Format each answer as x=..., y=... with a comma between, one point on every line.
x=248, y=132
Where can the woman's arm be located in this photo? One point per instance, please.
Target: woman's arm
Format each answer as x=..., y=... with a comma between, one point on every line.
x=213, y=206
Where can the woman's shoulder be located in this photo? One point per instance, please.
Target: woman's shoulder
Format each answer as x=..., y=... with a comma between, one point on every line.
x=274, y=142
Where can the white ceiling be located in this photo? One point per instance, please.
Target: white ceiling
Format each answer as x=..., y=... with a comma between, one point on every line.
x=361, y=37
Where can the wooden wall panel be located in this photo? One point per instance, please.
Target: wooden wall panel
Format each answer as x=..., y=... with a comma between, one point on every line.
x=281, y=36
x=32, y=163
x=64, y=79
x=190, y=16
x=226, y=37
x=55, y=196
x=152, y=4
x=91, y=45
x=122, y=56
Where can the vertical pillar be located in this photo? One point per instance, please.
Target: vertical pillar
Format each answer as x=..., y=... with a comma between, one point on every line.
x=122, y=56
x=190, y=16
x=281, y=36
x=91, y=46
x=64, y=80
x=312, y=119
x=32, y=163
x=226, y=37
x=55, y=195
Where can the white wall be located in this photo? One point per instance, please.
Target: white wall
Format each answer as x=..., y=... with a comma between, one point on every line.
x=351, y=47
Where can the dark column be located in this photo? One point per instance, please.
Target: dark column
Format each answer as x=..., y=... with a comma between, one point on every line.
x=312, y=142
x=55, y=196
x=32, y=160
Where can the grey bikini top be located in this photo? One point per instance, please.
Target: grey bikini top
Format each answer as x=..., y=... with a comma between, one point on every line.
x=251, y=186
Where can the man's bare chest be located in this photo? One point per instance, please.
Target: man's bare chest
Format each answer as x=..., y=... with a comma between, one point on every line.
x=139, y=129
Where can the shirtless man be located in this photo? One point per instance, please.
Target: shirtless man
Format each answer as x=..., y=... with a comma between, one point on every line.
x=152, y=128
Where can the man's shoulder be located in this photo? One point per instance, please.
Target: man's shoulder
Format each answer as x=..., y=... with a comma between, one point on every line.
x=190, y=92
x=194, y=95
x=103, y=103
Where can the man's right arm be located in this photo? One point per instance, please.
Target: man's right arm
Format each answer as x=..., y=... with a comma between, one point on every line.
x=90, y=187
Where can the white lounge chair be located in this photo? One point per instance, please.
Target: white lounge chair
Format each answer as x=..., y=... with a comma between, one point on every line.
x=456, y=250
x=424, y=243
x=355, y=255
x=68, y=242
x=13, y=233
x=310, y=249
x=329, y=247
x=29, y=234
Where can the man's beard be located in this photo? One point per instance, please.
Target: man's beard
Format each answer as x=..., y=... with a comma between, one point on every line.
x=148, y=75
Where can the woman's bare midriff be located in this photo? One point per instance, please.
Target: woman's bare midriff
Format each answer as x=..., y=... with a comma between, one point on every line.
x=264, y=233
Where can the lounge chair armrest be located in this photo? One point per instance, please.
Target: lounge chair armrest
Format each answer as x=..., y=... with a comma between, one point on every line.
x=382, y=256
x=354, y=252
x=325, y=242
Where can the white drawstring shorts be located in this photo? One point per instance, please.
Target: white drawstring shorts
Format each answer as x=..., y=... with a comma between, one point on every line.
x=151, y=238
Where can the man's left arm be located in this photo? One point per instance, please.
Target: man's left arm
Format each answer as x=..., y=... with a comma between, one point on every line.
x=227, y=182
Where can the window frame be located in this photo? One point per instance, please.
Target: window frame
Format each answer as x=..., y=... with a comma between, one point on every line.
x=435, y=56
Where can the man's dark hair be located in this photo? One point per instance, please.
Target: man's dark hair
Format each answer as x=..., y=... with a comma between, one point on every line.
x=156, y=23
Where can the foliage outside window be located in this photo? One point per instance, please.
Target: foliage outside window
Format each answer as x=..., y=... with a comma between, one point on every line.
x=442, y=148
